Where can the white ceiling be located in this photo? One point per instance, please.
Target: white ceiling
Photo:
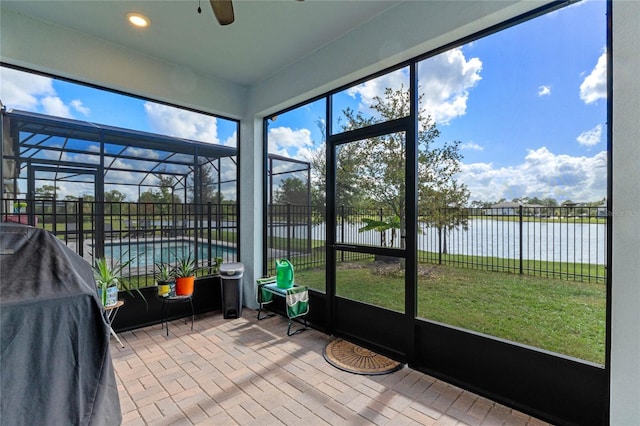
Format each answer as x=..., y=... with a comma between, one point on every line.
x=266, y=37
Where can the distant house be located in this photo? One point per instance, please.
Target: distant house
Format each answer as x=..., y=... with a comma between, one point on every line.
x=537, y=210
x=602, y=210
x=509, y=208
x=506, y=208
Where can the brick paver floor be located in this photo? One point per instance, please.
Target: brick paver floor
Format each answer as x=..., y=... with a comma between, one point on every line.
x=248, y=372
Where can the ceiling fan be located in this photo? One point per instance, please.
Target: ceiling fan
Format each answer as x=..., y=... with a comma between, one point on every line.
x=223, y=10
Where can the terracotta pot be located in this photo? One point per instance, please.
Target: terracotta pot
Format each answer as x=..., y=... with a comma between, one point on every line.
x=184, y=286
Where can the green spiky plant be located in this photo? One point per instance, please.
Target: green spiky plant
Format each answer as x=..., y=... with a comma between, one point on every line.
x=219, y=262
x=163, y=272
x=108, y=274
x=185, y=267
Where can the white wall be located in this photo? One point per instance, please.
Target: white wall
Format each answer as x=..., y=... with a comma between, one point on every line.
x=36, y=45
x=251, y=176
x=625, y=268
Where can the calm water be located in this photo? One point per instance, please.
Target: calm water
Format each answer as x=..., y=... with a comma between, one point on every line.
x=150, y=253
x=560, y=241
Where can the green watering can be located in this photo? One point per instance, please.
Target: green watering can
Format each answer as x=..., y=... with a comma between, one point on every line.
x=284, y=273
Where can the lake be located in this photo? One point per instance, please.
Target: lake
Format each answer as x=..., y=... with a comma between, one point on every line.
x=561, y=240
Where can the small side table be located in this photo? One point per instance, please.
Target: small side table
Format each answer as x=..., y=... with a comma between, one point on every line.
x=296, y=301
x=168, y=301
x=112, y=311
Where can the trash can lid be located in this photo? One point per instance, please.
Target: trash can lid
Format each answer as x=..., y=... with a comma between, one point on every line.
x=231, y=268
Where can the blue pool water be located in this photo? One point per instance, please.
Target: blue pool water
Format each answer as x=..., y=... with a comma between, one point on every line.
x=149, y=253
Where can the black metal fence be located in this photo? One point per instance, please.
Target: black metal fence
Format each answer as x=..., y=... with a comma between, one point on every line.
x=143, y=233
x=557, y=242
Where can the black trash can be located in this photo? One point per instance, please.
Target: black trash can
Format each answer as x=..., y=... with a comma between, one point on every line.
x=231, y=287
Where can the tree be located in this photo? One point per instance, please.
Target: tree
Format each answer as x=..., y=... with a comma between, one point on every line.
x=451, y=213
x=114, y=199
x=46, y=192
x=348, y=193
x=167, y=190
x=479, y=204
x=208, y=186
x=375, y=168
x=114, y=196
x=292, y=191
x=148, y=197
x=163, y=195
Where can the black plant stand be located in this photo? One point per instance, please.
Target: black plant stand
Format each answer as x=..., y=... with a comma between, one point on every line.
x=171, y=300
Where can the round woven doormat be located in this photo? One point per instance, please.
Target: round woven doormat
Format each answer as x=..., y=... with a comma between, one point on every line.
x=355, y=359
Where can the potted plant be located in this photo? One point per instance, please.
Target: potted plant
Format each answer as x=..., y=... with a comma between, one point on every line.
x=20, y=207
x=164, y=279
x=185, y=275
x=108, y=277
x=216, y=267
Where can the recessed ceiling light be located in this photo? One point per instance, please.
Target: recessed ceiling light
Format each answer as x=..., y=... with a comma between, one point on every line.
x=138, y=20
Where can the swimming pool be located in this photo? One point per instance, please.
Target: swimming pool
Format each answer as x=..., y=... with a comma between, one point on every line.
x=148, y=253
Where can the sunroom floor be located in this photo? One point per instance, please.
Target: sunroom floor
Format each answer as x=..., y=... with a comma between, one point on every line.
x=248, y=372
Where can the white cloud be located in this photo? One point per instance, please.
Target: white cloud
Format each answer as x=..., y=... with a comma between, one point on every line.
x=78, y=106
x=542, y=174
x=21, y=90
x=376, y=87
x=147, y=154
x=228, y=172
x=472, y=146
x=590, y=137
x=53, y=105
x=32, y=92
x=544, y=90
x=288, y=142
x=445, y=81
x=594, y=86
x=232, y=140
x=181, y=123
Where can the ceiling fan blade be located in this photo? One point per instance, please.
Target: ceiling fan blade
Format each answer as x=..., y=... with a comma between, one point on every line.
x=223, y=9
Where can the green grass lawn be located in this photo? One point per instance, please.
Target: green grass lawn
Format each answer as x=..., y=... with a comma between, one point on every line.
x=562, y=316
x=558, y=315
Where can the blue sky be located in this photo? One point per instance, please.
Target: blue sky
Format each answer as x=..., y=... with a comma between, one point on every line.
x=528, y=105
x=34, y=93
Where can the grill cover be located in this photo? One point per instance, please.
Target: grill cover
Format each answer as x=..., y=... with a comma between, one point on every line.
x=55, y=364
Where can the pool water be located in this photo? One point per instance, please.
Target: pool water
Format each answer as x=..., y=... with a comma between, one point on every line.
x=146, y=254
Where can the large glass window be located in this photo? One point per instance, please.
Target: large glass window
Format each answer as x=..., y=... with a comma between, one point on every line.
x=359, y=105
x=132, y=169
x=296, y=192
x=511, y=173
x=116, y=176
x=370, y=191
x=518, y=123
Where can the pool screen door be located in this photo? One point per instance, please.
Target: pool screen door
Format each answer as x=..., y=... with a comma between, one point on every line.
x=367, y=172
x=54, y=192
